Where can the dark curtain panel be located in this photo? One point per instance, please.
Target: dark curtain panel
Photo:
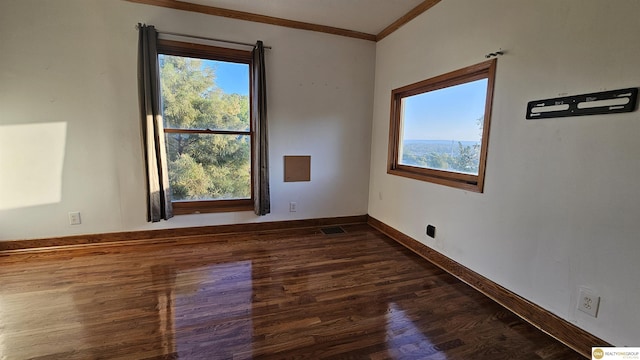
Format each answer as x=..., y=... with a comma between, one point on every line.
x=262, y=205
x=155, y=158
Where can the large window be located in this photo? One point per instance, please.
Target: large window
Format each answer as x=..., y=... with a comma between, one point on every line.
x=439, y=128
x=206, y=104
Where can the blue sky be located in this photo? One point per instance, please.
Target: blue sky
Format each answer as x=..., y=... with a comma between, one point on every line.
x=446, y=114
x=232, y=78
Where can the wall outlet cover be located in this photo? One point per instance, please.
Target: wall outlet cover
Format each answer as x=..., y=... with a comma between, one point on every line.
x=431, y=231
x=74, y=218
x=588, y=301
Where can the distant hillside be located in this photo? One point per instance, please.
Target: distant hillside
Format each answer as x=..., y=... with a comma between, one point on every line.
x=452, y=155
x=437, y=146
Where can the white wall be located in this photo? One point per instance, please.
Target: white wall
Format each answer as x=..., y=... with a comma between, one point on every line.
x=69, y=126
x=561, y=202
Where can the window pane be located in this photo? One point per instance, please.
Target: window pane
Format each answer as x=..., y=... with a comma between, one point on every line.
x=209, y=167
x=442, y=129
x=204, y=94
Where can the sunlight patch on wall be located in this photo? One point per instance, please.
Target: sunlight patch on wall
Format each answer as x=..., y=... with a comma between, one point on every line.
x=31, y=163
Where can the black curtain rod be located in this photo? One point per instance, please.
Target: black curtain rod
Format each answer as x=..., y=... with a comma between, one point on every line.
x=204, y=38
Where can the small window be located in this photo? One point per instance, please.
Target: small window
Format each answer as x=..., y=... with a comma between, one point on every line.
x=206, y=95
x=439, y=128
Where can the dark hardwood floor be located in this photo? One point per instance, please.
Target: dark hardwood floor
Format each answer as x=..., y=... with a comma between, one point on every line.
x=290, y=294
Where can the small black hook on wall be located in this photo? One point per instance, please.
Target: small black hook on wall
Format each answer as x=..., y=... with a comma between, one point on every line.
x=494, y=54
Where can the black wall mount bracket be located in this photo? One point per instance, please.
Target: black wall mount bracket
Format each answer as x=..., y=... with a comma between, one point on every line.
x=606, y=102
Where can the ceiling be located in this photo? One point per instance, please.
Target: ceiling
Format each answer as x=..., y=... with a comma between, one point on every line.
x=366, y=16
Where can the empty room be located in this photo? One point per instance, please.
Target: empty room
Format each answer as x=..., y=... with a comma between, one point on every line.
x=319, y=179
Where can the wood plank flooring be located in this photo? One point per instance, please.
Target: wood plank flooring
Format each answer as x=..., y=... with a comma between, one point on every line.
x=290, y=294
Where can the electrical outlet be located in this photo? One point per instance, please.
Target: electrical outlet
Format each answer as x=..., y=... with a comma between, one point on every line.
x=293, y=206
x=74, y=218
x=431, y=231
x=588, y=302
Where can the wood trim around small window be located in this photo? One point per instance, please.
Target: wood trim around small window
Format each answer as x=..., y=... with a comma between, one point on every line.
x=186, y=49
x=484, y=70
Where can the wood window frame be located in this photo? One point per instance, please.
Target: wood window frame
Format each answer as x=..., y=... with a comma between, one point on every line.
x=208, y=52
x=470, y=182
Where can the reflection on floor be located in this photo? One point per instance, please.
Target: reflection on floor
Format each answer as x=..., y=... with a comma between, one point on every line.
x=271, y=295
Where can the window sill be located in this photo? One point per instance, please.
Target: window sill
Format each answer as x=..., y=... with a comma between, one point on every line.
x=213, y=206
x=473, y=186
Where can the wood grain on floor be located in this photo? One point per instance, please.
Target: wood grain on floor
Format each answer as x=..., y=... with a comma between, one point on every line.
x=287, y=294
